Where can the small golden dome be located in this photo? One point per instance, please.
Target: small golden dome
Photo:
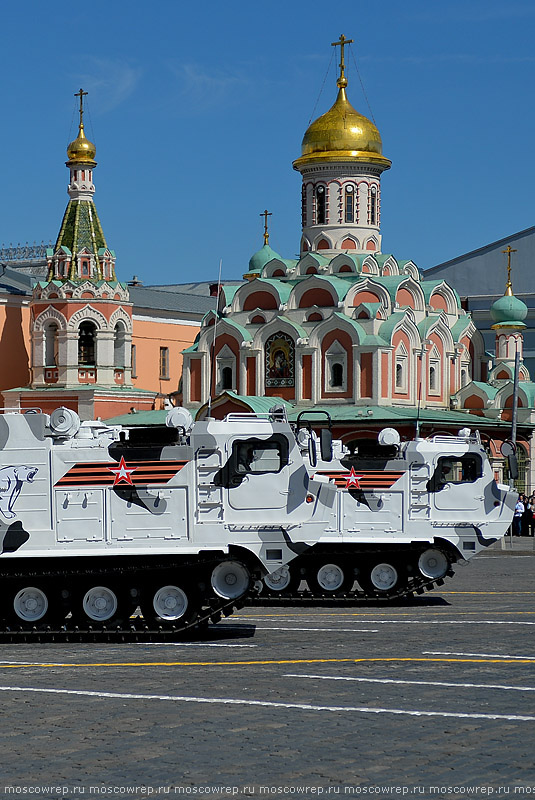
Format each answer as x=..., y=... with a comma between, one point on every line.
x=342, y=134
x=81, y=150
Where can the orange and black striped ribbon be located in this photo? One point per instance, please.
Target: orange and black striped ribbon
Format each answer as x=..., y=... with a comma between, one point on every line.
x=103, y=474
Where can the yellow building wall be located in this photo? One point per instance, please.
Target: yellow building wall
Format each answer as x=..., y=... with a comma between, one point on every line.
x=148, y=337
x=15, y=344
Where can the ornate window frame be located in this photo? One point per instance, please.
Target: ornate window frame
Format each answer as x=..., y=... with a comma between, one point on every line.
x=335, y=355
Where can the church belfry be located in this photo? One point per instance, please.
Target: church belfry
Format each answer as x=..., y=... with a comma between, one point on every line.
x=341, y=164
x=81, y=315
x=81, y=251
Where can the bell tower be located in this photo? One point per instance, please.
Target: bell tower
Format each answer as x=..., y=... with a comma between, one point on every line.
x=81, y=315
x=341, y=164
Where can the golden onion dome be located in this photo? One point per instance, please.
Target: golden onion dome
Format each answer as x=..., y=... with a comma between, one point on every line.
x=81, y=150
x=342, y=134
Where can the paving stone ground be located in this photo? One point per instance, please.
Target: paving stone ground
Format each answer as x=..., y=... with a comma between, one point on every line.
x=440, y=701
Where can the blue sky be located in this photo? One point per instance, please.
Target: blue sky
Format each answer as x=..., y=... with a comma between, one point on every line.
x=198, y=110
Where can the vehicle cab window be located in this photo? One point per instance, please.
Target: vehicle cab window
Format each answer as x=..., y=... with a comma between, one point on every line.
x=258, y=457
x=466, y=469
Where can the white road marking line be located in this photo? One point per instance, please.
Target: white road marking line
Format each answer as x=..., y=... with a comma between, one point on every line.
x=481, y=655
x=31, y=663
x=267, y=704
x=186, y=644
x=414, y=683
x=337, y=630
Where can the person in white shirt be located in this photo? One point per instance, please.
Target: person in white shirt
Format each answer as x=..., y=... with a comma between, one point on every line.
x=517, y=518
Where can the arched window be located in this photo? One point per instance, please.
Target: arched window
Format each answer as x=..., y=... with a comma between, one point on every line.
x=86, y=343
x=320, y=205
x=335, y=368
x=349, y=204
x=225, y=369
x=373, y=205
x=119, y=345
x=337, y=375
x=226, y=378
x=51, y=345
x=401, y=368
x=303, y=206
x=434, y=371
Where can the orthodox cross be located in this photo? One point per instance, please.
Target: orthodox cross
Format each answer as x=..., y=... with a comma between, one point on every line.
x=81, y=94
x=266, y=214
x=509, y=286
x=342, y=42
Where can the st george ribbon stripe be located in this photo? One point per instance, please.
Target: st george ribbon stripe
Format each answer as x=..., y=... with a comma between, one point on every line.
x=367, y=478
x=98, y=473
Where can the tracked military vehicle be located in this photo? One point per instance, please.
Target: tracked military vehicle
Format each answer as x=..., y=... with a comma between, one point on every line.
x=400, y=515
x=183, y=522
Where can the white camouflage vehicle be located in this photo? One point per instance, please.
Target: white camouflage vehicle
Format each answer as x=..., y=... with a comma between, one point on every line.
x=400, y=515
x=184, y=521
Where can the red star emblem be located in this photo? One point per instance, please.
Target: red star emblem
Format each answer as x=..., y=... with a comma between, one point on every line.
x=122, y=472
x=353, y=480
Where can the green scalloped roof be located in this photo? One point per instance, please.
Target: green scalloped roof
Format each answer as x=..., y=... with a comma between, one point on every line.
x=528, y=387
x=244, y=331
x=391, y=283
x=283, y=288
x=289, y=263
x=361, y=333
x=372, y=308
x=387, y=328
x=229, y=290
x=428, y=287
x=303, y=334
x=321, y=261
x=357, y=260
x=425, y=324
x=382, y=258
x=340, y=286
x=487, y=389
x=372, y=339
x=460, y=326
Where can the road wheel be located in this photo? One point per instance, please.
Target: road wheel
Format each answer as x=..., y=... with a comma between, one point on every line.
x=330, y=578
x=380, y=578
x=99, y=604
x=282, y=581
x=169, y=605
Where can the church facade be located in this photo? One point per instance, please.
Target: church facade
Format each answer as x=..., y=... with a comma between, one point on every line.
x=349, y=330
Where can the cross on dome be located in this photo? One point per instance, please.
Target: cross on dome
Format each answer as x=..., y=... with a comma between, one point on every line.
x=266, y=214
x=341, y=43
x=509, y=286
x=81, y=94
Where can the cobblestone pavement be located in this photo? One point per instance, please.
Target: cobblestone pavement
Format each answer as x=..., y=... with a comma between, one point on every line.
x=431, y=699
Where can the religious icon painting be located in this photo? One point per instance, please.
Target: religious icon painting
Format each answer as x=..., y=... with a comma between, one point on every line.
x=280, y=360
